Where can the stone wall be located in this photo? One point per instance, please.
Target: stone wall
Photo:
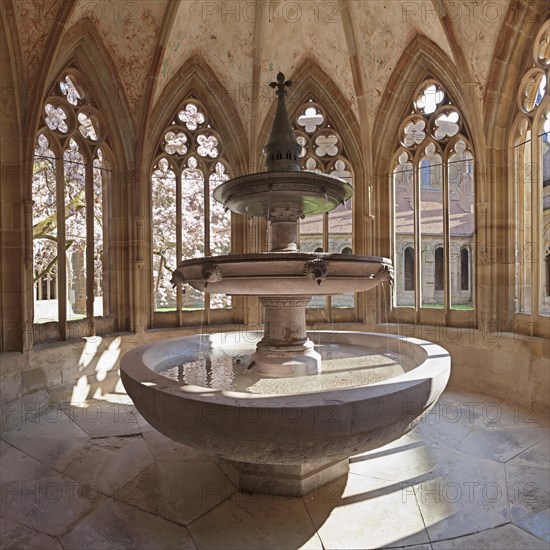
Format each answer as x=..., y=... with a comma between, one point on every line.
x=512, y=367
x=60, y=372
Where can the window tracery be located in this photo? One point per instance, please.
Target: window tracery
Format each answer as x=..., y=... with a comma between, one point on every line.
x=433, y=192
x=186, y=220
x=323, y=152
x=531, y=150
x=71, y=171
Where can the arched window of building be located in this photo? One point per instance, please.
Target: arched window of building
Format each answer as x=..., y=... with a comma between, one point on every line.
x=464, y=269
x=438, y=269
x=323, y=151
x=531, y=146
x=71, y=174
x=409, y=268
x=425, y=172
x=433, y=192
x=186, y=220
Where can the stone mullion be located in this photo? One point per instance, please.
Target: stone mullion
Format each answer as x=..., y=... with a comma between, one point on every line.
x=328, y=299
x=89, y=195
x=446, y=241
x=206, y=221
x=61, y=257
x=522, y=215
x=417, y=244
x=106, y=183
x=179, y=244
x=536, y=214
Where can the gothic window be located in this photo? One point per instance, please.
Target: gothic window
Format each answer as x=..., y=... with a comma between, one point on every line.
x=186, y=220
x=433, y=195
x=438, y=269
x=425, y=172
x=531, y=147
x=409, y=268
x=464, y=269
x=71, y=173
x=323, y=151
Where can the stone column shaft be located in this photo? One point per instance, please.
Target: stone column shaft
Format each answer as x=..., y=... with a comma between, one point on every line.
x=284, y=320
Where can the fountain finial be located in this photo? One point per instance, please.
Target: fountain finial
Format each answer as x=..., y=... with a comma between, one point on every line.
x=282, y=151
x=281, y=84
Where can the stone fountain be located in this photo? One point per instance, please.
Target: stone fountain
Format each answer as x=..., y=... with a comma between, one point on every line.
x=284, y=279
x=290, y=439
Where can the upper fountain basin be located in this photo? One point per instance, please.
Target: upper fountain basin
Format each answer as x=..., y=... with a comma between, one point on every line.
x=286, y=273
x=256, y=194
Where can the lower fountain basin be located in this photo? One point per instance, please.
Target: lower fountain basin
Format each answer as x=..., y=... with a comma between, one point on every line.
x=290, y=430
x=285, y=273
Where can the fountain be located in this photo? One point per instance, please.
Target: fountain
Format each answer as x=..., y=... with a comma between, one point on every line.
x=282, y=423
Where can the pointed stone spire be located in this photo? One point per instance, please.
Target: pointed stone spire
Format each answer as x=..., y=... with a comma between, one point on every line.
x=282, y=151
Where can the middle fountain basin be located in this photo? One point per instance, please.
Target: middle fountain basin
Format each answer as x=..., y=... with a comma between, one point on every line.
x=288, y=273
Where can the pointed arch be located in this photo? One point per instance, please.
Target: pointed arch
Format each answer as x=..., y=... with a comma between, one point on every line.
x=431, y=205
x=330, y=136
x=501, y=120
x=311, y=81
x=422, y=59
x=103, y=109
x=512, y=51
x=82, y=48
x=152, y=91
x=43, y=78
x=517, y=133
x=196, y=78
x=197, y=124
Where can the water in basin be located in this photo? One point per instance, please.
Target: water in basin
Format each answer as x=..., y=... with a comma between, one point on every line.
x=344, y=366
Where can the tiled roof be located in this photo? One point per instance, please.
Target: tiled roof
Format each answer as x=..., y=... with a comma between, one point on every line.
x=431, y=212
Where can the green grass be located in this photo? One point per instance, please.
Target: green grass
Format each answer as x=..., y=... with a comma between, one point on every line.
x=164, y=309
x=456, y=307
x=463, y=307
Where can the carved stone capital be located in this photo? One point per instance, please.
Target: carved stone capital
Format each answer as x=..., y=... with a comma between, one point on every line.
x=286, y=213
x=285, y=301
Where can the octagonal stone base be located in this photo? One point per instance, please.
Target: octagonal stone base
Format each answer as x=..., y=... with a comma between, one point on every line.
x=289, y=480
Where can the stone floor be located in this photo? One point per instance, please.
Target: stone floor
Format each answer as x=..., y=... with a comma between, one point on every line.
x=475, y=474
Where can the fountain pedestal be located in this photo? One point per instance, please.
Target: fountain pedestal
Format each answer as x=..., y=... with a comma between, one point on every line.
x=289, y=480
x=285, y=349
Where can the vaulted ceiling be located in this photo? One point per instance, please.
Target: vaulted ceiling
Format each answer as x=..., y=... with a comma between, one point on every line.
x=357, y=42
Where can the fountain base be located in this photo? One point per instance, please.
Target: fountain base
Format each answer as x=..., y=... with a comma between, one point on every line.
x=289, y=360
x=288, y=480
